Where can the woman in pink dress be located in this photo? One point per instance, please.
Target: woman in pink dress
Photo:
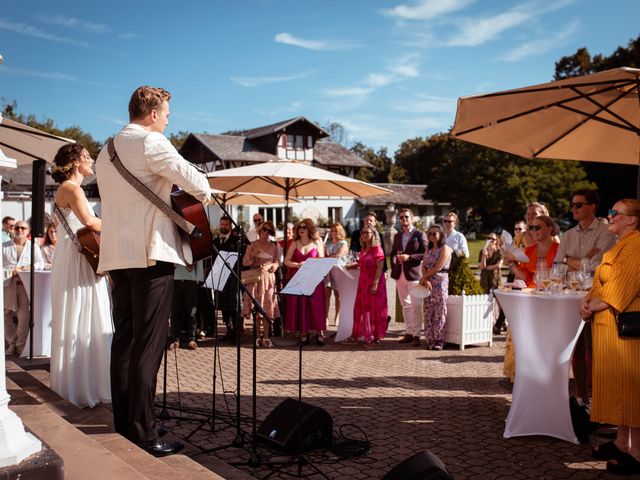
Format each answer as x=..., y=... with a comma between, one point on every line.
x=370, y=308
x=263, y=255
x=306, y=244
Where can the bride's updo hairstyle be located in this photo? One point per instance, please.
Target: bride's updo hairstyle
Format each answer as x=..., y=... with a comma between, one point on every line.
x=63, y=161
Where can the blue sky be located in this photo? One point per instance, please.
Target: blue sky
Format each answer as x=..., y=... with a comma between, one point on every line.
x=386, y=70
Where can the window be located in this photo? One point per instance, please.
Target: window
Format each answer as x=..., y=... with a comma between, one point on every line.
x=295, y=147
x=275, y=215
x=335, y=214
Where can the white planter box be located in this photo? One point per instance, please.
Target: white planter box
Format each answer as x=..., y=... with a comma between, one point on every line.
x=469, y=320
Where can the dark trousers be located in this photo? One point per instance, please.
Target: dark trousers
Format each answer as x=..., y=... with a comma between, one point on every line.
x=141, y=309
x=184, y=310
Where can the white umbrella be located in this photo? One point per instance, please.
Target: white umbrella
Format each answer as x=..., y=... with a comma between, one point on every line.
x=248, y=198
x=27, y=144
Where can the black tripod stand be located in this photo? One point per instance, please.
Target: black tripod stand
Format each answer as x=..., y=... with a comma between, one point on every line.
x=302, y=288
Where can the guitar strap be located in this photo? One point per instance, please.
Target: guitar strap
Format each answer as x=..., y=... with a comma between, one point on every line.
x=67, y=228
x=146, y=192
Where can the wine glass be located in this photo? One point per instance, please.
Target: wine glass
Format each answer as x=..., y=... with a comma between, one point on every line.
x=574, y=280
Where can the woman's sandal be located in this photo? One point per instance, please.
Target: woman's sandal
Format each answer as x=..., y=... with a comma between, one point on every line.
x=267, y=343
x=320, y=340
x=625, y=464
x=259, y=341
x=606, y=451
x=350, y=340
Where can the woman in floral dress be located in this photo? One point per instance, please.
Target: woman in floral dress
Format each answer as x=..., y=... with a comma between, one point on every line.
x=370, y=308
x=435, y=277
x=263, y=255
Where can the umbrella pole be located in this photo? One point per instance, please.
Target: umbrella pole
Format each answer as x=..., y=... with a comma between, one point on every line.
x=283, y=314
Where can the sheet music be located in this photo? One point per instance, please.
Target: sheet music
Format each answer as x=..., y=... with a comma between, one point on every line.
x=219, y=275
x=311, y=273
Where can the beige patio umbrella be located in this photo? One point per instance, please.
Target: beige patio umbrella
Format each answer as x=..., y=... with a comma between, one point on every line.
x=247, y=198
x=26, y=144
x=593, y=118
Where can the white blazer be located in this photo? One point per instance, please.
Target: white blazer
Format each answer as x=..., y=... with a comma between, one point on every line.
x=135, y=233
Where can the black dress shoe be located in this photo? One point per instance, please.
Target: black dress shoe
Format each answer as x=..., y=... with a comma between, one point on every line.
x=160, y=448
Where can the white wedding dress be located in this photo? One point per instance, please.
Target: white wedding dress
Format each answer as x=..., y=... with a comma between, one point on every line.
x=82, y=328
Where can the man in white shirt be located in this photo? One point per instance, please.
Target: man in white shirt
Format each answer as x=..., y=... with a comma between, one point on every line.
x=16, y=257
x=139, y=248
x=582, y=247
x=8, y=223
x=456, y=240
x=252, y=234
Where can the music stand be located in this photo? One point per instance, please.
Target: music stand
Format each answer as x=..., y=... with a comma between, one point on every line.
x=303, y=284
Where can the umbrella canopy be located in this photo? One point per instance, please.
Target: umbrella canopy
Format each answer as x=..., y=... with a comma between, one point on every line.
x=26, y=144
x=590, y=118
x=246, y=198
x=293, y=179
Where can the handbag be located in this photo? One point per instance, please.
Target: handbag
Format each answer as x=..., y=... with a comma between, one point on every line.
x=253, y=275
x=628, y=324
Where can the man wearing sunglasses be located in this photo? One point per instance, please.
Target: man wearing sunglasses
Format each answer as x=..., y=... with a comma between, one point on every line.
x=252, y=234
x=581, y=248
x=16, y=257
x=8, y=223
x=453, y=238
x=409, y=246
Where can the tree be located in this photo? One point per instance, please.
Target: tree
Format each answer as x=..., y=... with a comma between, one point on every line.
x=337, y=133
x=385, y=171
x=613, y=181
x=178, y=139
x=497, y=186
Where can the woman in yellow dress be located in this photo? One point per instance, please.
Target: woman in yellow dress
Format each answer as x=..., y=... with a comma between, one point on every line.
x=616, y=360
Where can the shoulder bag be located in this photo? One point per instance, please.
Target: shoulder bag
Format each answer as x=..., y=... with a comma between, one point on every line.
x=628, y=324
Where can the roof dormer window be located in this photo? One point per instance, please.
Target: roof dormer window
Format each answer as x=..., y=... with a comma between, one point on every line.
x=295, y=147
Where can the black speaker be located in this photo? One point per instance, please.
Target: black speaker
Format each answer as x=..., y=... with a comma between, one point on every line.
x=296, y=426
x=423, y=465
x=37, y=199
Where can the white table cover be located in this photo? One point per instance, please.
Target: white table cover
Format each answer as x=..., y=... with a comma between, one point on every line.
x=41, y=312
x=346, y=282
x=544, y=329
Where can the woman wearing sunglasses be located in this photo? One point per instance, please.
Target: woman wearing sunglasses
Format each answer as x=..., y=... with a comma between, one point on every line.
x=306, y=244
x=263, y=255
x=543, y=229
x=616, y=360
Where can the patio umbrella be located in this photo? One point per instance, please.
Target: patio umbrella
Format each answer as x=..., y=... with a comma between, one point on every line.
x=247, y=198
x=594, y=118
x=26, y=144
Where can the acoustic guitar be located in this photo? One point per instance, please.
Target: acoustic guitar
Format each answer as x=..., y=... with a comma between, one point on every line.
x=192, y=210
x=90, y=243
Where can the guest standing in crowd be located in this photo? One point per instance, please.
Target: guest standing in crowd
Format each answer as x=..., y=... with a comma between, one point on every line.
x=306, y=244
x=452, y=237
x=16, y=257
x=581, y=248
x=616, y=359
x=435, y=277
x=335, y=246
x=184, y=306
x=370, y=308
x=254, y=233
x=8, y=223
x=139, y=247
x=409, y=247
x=227, y=298
x=490, y=264
x=263, y=256
x=82, y=328
x=545, y=248
x=370, y=220
x=49, y=245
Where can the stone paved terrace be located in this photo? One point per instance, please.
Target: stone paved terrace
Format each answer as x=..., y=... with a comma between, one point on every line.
x=404, y=399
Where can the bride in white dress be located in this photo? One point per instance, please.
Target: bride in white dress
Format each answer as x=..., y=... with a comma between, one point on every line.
x=82, y=328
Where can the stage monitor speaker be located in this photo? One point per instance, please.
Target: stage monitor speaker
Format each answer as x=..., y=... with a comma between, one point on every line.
x=296, y=427
x=37, y=198
x=423, y=465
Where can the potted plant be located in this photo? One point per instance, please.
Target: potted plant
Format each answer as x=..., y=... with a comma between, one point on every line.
x=469, y=310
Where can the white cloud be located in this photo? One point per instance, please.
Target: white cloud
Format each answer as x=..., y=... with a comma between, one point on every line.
x=379, y=79
x=318, y=45
x=258, y=81
x=541, y=45
x=200, y=116
x=426, y=104
x=477, y=31
x=128, y=36
x=293, y=107
x=73, y=22
x=31, y=31
x=348, y=91
x=426, y=9
x=24, y=72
